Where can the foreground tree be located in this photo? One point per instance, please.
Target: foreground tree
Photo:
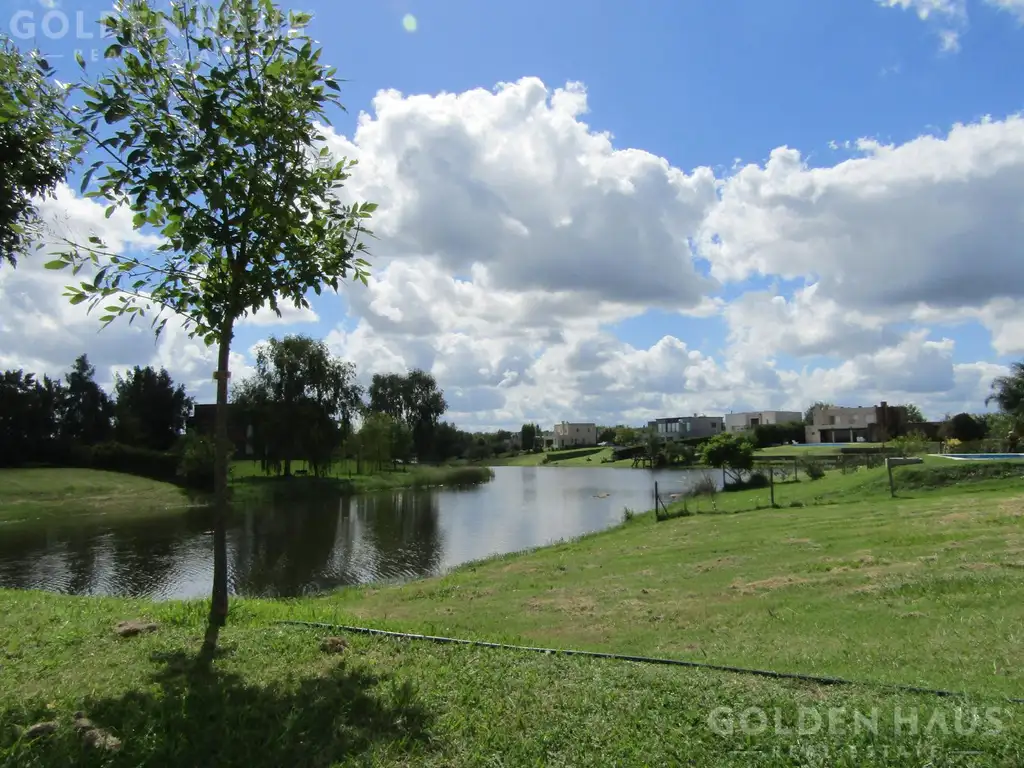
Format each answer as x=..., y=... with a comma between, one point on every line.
x=215, y=145
x=35, y=150
x=149, y=410
x=302, y=399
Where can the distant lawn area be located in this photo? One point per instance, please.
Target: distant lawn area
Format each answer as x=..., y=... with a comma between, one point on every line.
x=596, y=456
x=36, y=493
x=27, y=494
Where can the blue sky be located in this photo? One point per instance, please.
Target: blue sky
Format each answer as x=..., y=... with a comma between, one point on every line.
x=703, y=84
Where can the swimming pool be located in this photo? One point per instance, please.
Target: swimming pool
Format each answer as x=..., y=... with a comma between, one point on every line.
x=980, y=456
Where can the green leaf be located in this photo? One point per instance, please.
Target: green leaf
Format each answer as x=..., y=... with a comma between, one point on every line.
x=113, y=51
x=55, y=264
x=80, y=59
x=78, y=298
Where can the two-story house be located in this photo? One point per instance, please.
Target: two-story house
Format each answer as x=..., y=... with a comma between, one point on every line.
x=680, y=427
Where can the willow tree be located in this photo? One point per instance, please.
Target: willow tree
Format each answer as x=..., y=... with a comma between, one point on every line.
x=207, y=128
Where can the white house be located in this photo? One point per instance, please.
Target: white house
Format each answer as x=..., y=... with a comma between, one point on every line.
x=567, y=434
x=742, y=422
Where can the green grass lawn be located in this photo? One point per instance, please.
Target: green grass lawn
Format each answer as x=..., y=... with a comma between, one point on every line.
x=926, y=589
x=27, y=494
x=537, y=460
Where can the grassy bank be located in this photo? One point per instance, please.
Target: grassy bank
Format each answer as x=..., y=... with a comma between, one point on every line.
x=924, y=589
x=27, y=494
x=275, y=697
x=248, y=478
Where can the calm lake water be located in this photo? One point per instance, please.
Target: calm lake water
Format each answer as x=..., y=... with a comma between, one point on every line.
x=292, y=548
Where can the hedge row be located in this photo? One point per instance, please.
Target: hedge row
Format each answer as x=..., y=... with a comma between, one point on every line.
x=577, y=453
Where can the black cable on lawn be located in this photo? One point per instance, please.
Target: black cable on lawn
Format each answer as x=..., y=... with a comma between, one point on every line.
x=638, y=659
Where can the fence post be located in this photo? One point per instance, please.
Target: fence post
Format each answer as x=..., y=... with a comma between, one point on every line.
x=892, y=484
x=771, y=481
x=657, y=501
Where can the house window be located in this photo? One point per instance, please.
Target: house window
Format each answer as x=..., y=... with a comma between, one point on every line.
x=831, y=420
x=687, y=427
x=714, y=425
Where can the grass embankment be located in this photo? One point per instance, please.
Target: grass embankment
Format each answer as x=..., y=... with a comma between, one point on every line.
x=27, y=494
x=247, y=477
x=925, y=589
x=594, y=457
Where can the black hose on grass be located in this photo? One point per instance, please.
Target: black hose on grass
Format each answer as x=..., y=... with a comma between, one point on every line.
x=895, y=687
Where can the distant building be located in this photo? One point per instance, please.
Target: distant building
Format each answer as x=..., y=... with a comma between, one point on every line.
x=742, y=422
x=871, y=424
x=566, y=434
x=680, y=427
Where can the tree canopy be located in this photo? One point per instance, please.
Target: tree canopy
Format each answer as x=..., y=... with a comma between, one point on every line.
x=35, y=150
x=303, y=399
x=149, y=410
x=1008, y=392
x=413, y=399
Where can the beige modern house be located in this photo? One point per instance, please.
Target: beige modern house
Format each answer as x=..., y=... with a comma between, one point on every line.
x=743, y=422
x=870, y=424
x=569, y=433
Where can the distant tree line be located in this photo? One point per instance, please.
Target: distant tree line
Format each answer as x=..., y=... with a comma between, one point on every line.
x=53, y=421
x=304, y=403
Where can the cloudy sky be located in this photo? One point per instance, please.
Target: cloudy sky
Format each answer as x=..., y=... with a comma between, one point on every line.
x=611, y=211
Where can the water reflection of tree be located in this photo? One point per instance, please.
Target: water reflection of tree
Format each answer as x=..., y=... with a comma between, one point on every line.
x=283, y=547
x=403, y=527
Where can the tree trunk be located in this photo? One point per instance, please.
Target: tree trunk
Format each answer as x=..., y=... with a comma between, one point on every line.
x=219, y=593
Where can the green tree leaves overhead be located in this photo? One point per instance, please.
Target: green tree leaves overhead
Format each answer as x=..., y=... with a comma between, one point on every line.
x=35, y=147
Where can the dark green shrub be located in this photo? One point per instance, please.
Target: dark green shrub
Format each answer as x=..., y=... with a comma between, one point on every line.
x=813, y=469
x=115, y=457
x=195, y=467
x=756, y=479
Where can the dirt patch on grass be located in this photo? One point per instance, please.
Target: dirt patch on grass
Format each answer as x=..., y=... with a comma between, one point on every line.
x=575, y=605
x=767, y=585
x=719, y=562
x=1012, y=507
x=978, y=566
x=955, y=517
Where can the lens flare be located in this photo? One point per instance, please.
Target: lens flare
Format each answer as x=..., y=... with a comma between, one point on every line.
x=409, y=22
